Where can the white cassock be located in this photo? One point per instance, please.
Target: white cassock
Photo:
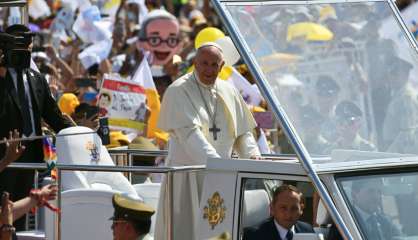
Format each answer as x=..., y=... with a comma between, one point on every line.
x=184, y=115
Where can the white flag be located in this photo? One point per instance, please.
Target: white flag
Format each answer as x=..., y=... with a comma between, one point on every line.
x=250, y=93
x=143, y=75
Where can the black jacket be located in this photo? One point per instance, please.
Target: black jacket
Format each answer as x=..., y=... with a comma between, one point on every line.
x=43, y=104
x=268, y=231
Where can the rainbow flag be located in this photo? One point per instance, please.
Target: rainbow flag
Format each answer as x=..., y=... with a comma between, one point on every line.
x=50, y=154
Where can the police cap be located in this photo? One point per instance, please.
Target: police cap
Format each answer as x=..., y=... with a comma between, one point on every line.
x=347, y=110
x=326, y=86
x=128, y=208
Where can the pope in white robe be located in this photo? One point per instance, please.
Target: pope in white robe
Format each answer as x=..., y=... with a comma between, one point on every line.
x=193, y=107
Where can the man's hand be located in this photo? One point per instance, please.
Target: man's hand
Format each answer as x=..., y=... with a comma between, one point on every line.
x=92, y=122
x=51, y=52
x=48, y=192
x=13, y=148
x=6, y=216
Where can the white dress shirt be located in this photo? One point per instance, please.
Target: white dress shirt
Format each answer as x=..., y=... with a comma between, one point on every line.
x=283, y=231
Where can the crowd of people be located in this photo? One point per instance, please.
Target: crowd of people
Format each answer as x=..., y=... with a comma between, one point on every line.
x=90, y=61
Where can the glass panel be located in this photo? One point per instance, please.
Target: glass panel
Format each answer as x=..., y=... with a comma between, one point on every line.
x=383, y=205
x=257, y=194
x=344, y=79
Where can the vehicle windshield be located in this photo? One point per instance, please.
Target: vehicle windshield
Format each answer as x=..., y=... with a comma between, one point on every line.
x=383, y=205
x=345, y=74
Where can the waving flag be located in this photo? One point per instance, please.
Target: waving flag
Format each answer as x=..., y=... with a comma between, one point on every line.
x=249, y=92
x=143, y=77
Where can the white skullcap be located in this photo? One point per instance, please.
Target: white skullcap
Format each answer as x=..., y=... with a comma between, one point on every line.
x=210, y=44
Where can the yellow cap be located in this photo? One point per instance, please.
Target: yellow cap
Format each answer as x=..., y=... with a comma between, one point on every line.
x=117, y=139
x=67, y=103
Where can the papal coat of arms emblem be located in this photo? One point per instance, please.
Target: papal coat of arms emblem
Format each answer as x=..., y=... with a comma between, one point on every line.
x=215, y=210
x=94, y=151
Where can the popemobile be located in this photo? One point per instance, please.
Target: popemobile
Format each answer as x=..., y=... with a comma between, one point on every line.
x=340, y=77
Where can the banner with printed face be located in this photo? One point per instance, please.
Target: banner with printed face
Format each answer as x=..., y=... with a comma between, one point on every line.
x=124, y=103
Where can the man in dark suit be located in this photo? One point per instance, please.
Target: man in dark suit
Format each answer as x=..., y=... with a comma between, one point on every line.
x=25, y=100
x=286, y=209
x=367, y=208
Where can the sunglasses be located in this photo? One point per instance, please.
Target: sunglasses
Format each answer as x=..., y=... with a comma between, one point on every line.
x=157, y=41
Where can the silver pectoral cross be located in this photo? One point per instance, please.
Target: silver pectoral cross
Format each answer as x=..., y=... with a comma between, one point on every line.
x=214, y=131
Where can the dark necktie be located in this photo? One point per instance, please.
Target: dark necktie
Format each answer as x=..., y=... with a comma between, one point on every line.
x=375, y=228
x=24, y=104
x=289, y=235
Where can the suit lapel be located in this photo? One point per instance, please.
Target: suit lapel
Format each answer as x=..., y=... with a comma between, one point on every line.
x=12, y=90
x=275, y=235
x=33, y=87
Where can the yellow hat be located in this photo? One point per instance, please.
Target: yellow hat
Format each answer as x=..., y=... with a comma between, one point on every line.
x=67, y=103
x=128, y=208
x=117, y=139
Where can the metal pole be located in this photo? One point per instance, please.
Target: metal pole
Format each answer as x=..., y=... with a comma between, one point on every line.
x=58, y=218
x=130, y=165
x=43, y=136
x=36, y=185
x=170, y=205
x=300, y=150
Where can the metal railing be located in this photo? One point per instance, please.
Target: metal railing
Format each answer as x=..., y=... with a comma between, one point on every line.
x=131, y=169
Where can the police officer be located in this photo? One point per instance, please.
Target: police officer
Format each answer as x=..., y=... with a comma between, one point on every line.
x=311, y=121
x=348, y=119
x=327, y=92
x=131, y=218
x=402, y=112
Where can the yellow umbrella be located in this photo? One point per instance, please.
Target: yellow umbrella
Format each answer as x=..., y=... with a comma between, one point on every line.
x=276, y=61
x=309, y=31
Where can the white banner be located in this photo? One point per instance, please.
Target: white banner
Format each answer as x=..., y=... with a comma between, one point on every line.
x=123, y=102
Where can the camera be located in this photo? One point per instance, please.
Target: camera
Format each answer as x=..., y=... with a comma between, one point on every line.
x=15, y=53
x=104, y=131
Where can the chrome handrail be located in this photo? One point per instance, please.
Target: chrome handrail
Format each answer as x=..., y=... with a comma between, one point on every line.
x=137, y=152
x=104, y=168
x=138, y=169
